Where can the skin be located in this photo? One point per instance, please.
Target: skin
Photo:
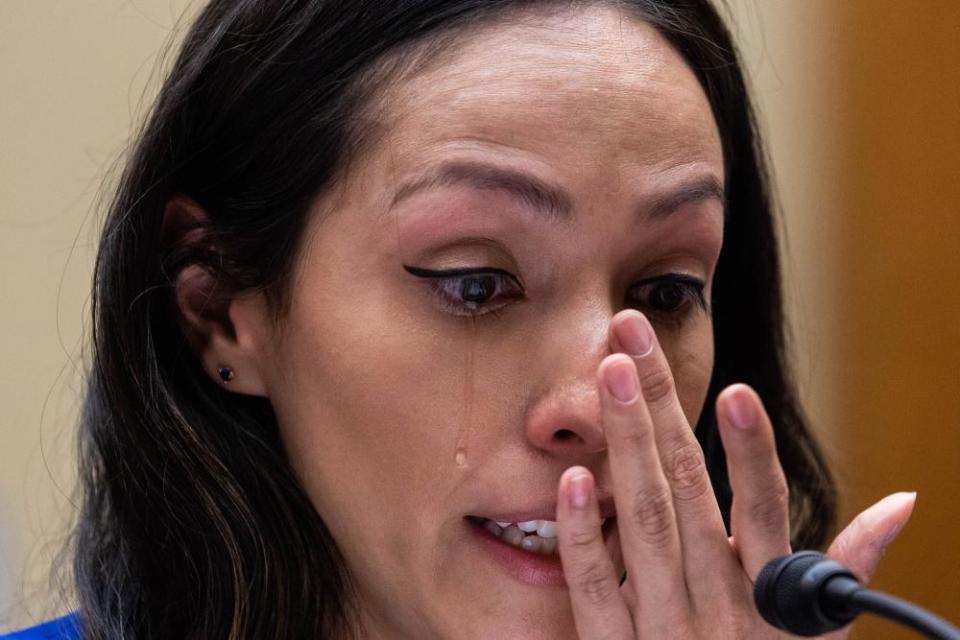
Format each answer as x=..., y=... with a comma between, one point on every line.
x=378, y=386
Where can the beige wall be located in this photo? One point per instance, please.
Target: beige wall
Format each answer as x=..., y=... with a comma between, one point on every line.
x=73, y=76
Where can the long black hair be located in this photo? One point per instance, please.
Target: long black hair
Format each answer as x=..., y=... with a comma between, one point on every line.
x=193, y=524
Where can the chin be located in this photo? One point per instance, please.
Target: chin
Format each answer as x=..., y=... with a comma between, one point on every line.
x=513, y=615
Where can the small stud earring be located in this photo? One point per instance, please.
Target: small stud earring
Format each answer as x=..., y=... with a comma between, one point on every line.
x=226, y=374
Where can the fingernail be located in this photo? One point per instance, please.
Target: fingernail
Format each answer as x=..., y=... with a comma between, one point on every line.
x=740, y=409
x=636, y=335
x=578, y=490
x=621, y=380
x=893, y=533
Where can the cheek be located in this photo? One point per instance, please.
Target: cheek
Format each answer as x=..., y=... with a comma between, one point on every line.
x=362, y=393
x=369, y=385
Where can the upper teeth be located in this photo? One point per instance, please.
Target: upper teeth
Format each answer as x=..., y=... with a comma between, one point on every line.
x=541, y=534
x=543, y=528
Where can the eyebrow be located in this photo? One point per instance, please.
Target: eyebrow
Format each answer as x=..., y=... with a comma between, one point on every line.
x=700, y=189
x=552, y=202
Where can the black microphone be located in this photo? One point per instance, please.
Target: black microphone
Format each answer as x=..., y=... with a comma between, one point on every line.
x=807, y=594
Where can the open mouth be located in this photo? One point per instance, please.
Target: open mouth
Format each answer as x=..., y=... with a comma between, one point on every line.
x=535, y=536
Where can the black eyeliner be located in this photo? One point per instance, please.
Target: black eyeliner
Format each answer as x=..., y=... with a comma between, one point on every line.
x=447, y=273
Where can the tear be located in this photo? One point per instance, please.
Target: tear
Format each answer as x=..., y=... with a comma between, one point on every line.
x=466, y=424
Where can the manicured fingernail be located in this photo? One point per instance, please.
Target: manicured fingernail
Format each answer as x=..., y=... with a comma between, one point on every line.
x=911, y=497
x=636, y=335
x=740, y=409
x=621, y=380
x=578, y=490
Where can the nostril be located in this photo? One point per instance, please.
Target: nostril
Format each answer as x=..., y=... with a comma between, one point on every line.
x=566, y=423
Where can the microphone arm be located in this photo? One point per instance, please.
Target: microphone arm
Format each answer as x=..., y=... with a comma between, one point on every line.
x=807, y=594
x=905, y=613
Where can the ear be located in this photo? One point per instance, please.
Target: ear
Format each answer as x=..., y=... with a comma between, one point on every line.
x=224, y=328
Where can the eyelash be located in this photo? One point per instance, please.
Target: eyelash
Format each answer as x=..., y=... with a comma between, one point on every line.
x=689, y=288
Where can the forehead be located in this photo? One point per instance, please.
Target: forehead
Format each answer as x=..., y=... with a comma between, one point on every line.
x=592, y=88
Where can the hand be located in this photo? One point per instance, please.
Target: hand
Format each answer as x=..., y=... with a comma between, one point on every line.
x=685, y=578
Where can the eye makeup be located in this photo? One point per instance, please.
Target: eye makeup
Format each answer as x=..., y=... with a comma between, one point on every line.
x=467, y=291
x=478, y=291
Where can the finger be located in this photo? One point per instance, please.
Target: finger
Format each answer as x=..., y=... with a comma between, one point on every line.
x=707, y=558
x=598, y=608
x=862, y=543
x=645, y=517
x=760, y=514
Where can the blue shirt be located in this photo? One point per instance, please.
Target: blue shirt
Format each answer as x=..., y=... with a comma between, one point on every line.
x=65, y=628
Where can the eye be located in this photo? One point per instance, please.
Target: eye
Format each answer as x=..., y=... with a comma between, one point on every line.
x=471, y=291
x=672, y=296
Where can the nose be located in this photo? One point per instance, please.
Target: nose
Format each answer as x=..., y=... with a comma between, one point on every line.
x=565, y=419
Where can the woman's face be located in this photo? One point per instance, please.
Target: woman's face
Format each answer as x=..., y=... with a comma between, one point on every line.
x=572, y=161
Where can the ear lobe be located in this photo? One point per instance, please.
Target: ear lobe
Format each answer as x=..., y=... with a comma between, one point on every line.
x=222, y=327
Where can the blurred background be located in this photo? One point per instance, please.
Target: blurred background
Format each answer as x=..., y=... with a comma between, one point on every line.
x=860, y=103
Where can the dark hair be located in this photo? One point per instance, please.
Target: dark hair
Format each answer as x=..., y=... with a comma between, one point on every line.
x=193, y=524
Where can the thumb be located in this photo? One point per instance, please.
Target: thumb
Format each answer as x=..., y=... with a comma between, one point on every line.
x=861, y=544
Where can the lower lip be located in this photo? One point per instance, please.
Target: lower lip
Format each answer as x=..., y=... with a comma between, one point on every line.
x=536, y=569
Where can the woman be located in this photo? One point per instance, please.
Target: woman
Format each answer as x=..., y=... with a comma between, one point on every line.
x=436, y=319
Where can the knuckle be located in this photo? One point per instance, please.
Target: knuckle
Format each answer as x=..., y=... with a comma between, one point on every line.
x=772, y=507
x=586, y=537
x=652, y=514
x=657, y=385
x=741, y=623
x=595, y=585
x=676, y=623
x=637, y=438
x=686, y=470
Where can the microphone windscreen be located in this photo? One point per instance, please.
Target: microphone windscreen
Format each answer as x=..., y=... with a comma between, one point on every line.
x=786, y=602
